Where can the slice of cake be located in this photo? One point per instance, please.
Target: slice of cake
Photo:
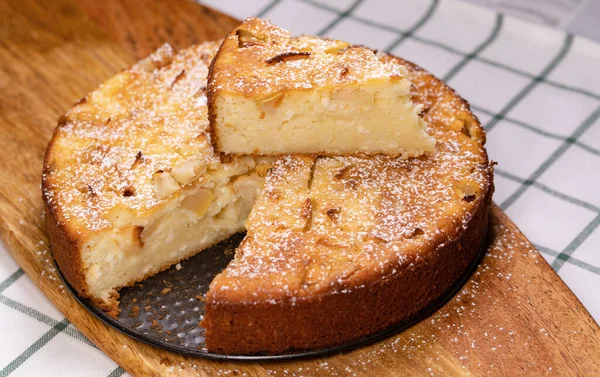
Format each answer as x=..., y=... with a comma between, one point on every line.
x=271, y=94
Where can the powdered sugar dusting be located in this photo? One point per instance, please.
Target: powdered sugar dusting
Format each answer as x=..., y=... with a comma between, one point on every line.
x=319, y=222
x=260, y=59
x=108, y=148
x=329, y=224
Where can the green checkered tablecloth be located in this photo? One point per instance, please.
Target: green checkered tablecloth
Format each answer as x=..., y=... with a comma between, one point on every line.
x=536, y=90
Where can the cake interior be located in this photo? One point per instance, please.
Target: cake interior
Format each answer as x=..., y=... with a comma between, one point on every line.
x=138, y=246
x=314, y=121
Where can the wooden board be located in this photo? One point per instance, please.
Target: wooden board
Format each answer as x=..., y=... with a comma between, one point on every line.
x=514, y=317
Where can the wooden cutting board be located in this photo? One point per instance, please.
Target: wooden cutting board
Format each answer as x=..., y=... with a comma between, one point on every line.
x=514, y=317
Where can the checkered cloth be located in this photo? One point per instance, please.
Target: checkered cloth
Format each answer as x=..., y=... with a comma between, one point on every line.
x=536, y=90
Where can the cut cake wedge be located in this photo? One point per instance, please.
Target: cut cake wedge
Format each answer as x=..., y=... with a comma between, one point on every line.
x=271, y=94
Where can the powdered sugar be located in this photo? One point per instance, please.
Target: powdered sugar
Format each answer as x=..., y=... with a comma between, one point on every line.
x=108, y=148
x=325, y=224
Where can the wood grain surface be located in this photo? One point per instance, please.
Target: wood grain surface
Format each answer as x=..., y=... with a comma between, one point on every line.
x=514, y=317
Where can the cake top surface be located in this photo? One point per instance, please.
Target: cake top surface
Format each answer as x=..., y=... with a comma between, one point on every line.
x=330, y=224
x=120, y=147
x=320, y=225
x=260, y=59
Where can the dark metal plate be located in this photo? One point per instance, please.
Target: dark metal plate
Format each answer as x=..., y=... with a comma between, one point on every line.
x=165, y=310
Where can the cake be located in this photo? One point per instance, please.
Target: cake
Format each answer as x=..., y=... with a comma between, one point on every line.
x=270, y=94
x=337, y=247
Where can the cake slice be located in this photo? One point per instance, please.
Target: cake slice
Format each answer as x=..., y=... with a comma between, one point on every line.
x=271, y=94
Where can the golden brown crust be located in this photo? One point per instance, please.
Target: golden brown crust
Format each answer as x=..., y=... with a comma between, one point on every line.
x=65, y=251
x=64, y=246
x=211, y=94
x=259, y=70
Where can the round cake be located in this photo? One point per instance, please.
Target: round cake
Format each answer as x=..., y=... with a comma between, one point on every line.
x=337, y=248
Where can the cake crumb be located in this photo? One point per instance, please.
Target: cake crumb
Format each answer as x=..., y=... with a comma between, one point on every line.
x=135, y=311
